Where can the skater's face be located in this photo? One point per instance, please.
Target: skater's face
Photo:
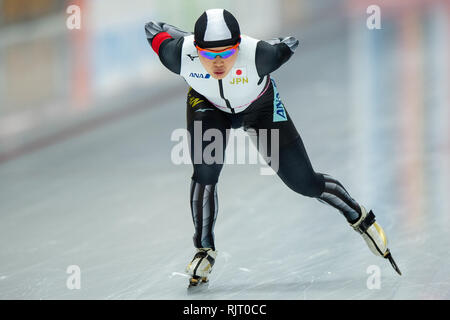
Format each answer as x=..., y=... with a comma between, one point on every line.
x=219, y=67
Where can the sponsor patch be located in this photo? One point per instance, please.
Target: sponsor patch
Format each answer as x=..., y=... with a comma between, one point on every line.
x=200, y=75
x=194, y=101
x=279, y=113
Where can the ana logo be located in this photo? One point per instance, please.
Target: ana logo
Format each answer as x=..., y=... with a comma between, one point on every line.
x=200, y=75
x=279, y=113
x=239, y=76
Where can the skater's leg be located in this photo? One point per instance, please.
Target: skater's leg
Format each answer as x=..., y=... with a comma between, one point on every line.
x=295, y=170
x=202, y=116
x=297, y=173
x=293, y=165
x=337, y=196
x=204, y=208
x=203, y=189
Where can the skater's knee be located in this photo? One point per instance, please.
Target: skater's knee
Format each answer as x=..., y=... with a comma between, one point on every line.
x=319, y=185
x=313, y=186
x=307, y=185
x=205, y=178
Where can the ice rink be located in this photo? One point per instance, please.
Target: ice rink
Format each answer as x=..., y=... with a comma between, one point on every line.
x=372, y=110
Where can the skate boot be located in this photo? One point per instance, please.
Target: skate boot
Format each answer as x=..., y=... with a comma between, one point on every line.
x=374, y=236
x=200, y=267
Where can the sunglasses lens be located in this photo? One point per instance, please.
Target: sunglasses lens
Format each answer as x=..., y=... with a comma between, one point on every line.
x=213, y=55
x=208, y=55
x=228, y=53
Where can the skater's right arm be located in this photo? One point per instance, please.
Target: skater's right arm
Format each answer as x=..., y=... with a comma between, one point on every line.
x=167, y=41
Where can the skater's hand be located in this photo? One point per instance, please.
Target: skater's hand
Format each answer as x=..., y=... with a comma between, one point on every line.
x=291, y=42
x=154, y=27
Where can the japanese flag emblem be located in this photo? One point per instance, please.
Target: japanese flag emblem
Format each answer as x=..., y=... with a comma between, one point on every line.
x=239, y=72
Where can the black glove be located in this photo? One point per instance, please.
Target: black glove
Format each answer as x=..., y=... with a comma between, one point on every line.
x=291, y=42
x=153, y=28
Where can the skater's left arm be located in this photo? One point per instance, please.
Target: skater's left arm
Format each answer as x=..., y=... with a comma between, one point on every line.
x=272, y=54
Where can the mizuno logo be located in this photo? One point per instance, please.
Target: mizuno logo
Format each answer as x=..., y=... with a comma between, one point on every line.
x=192, y=57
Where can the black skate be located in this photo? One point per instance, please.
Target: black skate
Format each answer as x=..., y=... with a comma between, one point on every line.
x=374, y=236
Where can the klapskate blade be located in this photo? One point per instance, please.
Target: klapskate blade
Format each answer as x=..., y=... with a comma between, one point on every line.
x=394, y=265
x=200, y=287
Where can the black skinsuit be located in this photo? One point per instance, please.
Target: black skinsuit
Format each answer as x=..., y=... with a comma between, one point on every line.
x=294, y=167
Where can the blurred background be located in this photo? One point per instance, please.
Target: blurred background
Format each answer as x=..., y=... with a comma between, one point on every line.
x=85, y=171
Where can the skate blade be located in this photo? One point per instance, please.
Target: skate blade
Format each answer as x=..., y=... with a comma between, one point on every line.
x=392, y=261
x=197, y=285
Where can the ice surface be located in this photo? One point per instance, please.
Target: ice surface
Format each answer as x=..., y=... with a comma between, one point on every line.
x=111, y=202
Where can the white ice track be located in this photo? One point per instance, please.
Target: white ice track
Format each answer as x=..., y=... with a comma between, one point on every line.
x=111, y=202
